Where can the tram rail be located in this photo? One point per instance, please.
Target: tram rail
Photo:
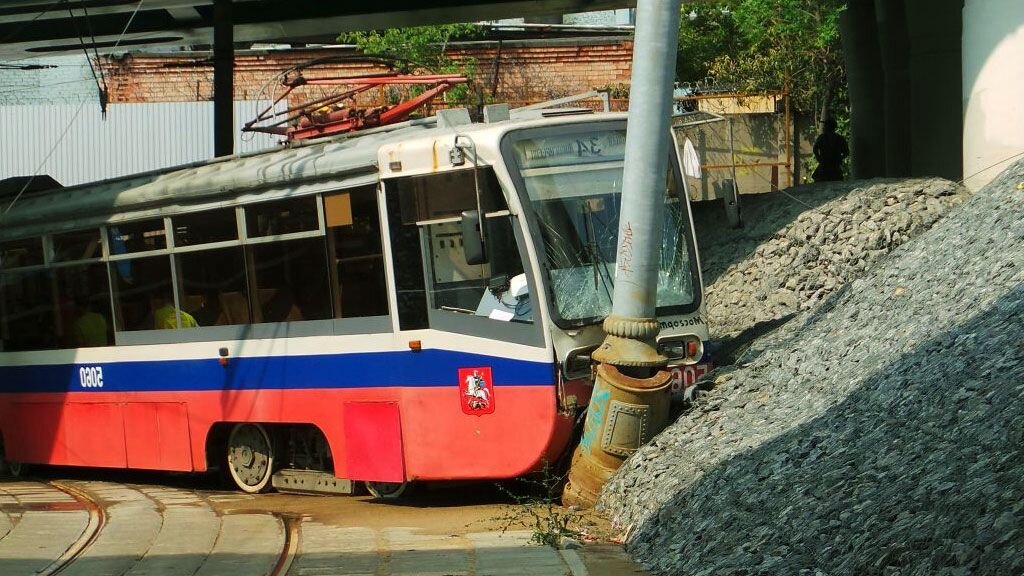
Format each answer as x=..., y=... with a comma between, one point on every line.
x=92, y=529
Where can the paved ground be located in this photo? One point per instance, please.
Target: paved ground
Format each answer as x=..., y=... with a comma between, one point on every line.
x=83, y=527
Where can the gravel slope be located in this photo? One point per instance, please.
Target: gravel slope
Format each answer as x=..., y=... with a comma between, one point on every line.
x=799, y=246
x=881, y=432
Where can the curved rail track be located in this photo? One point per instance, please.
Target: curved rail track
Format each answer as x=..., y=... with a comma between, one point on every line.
x=88, y=535
x=88, y=528
x=80, y=528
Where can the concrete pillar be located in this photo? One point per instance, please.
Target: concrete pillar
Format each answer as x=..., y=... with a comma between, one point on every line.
x=935, y=87
x=864, y=72
x=223, y=79
x=894, y=42
x=993, y=87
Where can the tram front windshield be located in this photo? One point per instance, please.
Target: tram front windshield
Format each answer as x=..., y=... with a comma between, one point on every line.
x=572, y=181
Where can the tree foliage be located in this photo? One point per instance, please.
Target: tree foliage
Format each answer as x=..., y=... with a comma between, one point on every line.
x=424, y=48
x=780, y=44
x=706, y=33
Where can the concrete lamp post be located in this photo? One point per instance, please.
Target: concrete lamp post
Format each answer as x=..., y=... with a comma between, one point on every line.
x=630, y=401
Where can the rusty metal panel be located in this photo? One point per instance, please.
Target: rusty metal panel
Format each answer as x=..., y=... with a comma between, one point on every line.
x=75, y=144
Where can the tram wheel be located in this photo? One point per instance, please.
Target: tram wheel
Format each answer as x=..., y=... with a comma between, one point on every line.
x=250, y=457
x=387, y=490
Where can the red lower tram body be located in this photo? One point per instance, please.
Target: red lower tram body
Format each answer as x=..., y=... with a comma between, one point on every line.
x=166, y=415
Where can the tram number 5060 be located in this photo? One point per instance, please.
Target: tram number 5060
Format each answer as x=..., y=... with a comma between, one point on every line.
x=90, y=376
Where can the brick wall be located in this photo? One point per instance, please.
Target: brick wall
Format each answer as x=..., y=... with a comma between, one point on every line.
x=518, y=72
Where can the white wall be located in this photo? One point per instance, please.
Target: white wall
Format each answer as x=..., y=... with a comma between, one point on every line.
x=993, y=88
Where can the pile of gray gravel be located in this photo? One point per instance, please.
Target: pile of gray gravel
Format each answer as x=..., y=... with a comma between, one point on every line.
x=881, y=432
x=799, y=246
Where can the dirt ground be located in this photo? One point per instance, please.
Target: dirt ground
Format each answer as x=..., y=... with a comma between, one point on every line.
x=437, y=509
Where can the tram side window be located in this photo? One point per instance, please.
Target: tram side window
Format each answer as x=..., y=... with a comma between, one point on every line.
x=27, y=306
x=214, y=289
x=27, y=320
x=482, y=289
x=282, y=217
x=79, y=245
x=138, y=236
x=405, y=250
x=19, y=253
x=83, y=318
x=354, y=243
x=205, y=227
x=290, y=281
x=143, y=292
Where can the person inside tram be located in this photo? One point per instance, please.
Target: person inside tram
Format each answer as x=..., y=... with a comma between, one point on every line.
x=90, y=328
x=165, y=314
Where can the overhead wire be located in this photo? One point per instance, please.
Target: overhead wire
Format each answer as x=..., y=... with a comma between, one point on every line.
x=78, y=111
x=128, y=24
x=101, y=81
x=18, y=89
x=81, y=40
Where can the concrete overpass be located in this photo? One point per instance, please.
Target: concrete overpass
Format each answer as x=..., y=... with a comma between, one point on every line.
x=33, y=28
x=936, y=85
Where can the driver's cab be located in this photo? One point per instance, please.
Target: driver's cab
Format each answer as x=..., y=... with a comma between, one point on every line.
x=508, y=232
x=459, y=254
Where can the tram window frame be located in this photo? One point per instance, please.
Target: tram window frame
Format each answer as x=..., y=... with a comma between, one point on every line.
x=252, y=330
x=110, y=260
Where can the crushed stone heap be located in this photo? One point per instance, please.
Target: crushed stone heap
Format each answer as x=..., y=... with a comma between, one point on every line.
x=799, y=246
x=881, y=432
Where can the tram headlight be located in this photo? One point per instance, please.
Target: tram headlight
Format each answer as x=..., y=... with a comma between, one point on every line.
x=689, y=348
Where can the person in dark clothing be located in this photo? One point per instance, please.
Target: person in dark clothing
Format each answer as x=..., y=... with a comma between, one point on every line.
x=830, y=150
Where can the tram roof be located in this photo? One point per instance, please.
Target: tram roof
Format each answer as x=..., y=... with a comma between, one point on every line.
x=318, y=166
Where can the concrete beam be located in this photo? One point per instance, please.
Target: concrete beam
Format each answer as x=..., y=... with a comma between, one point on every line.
x=894, y=44
x=936, y=87
x=866, y=86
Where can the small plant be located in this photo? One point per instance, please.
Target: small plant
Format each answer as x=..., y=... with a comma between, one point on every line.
x=538, y=507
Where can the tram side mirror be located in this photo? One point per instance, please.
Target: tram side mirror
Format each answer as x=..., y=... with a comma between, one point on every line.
x=472, y=241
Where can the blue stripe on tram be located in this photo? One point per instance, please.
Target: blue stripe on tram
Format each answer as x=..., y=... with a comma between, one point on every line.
x=357, y=370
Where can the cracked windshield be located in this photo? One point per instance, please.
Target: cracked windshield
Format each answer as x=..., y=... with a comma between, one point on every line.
x=574, y=185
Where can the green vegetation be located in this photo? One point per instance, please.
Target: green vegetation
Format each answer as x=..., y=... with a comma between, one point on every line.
x=538, y=507
x=424, y=49
x=763, y=45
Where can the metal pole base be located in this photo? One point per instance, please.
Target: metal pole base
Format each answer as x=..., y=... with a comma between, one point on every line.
x=624, y=414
